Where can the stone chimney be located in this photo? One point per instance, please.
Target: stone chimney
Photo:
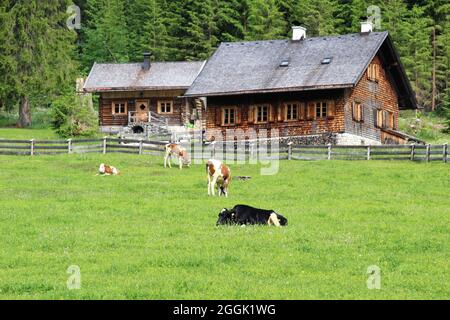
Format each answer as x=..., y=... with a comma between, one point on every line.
x=147, y=63
x=298, y=33
x=366, y=27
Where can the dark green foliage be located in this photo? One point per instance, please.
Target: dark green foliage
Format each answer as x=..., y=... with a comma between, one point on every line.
x=38, y=53
x=73, y=115
x=265, y=21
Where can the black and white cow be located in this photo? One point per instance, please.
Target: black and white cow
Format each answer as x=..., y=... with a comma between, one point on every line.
x=242, y=215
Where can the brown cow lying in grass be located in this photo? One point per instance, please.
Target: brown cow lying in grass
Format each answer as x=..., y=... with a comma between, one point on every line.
x=178, y=151
x=218, y=174
x=107, y=170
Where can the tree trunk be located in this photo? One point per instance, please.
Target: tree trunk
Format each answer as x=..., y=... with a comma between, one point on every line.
x=24, y=113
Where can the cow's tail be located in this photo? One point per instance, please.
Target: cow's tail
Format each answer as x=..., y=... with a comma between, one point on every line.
x=283, y=220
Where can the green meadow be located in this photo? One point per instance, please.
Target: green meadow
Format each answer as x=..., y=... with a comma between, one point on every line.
x=151, y=232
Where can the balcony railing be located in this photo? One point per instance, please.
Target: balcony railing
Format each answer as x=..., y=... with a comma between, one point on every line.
x=148, y=117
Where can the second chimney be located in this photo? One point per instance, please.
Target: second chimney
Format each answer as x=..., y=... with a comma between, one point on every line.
x=298, y=33
x=147, y=64
x=366, y=27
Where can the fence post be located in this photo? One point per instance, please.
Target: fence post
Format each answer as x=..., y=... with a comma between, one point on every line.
x=445, y=155
x=428, y=152
x=413, y=151
x=69, y=146
x=252, y=151
x=104, y=145
x=140, y=146
x=368, y=152
x=329, y=151
x=32, y=147
x=290, y=150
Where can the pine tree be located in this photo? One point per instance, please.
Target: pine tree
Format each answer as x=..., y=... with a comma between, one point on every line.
x=439, y=12
x=316, y=16
x=7, y=61
x=43, y=50
x=416, y=53
x=156, y=37
x=198, y=29
x=107, y=34
x=229, y=20
x=265, y=21
x=349, y=14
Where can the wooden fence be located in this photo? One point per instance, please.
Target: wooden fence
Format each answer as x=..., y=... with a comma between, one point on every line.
x=229, y=150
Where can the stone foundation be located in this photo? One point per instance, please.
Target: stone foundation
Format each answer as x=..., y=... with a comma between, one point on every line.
x=349, y=139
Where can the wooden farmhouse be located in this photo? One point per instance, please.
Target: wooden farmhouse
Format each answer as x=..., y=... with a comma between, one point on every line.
x=147, y=96
x=336, y=89
x=345, y=89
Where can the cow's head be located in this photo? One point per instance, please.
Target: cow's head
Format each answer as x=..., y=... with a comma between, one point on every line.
x=225, y=217
x=101, y=168
x=185, y=158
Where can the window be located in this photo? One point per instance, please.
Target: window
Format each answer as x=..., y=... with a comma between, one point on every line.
x=321, y=109
x=284, y=63
x=372, y=72
x=165, y=107
x=228, y=116
x=357, y=112
x=385, y=119
x=292, y=111
x=262, y=114
x=119, y=108
x=327, y=60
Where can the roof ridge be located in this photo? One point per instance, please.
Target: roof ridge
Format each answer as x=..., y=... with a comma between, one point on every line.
x=132, y=63
x=309, y=38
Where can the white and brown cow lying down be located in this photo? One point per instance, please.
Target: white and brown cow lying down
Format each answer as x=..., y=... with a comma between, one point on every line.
x=173, y=149
x=107, y=170
x=218, y=174
x=243, y=215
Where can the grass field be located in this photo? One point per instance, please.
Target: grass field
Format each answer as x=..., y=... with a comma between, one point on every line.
x=150, y=233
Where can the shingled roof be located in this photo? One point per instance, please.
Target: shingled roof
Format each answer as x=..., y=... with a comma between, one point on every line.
x=255, y=67
x=132, y=76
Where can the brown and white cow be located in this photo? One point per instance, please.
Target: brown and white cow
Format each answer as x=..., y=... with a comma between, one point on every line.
x=108, y=170
x=173, y=149
x=218, y=174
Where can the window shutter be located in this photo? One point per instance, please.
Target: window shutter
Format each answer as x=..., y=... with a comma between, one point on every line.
x=281, y=110
x=311, y=112
x=237, y=112
x=331, y=108
x=302, y=111
x=354, y=110
x=271, y=113
x=375, y=118
x=218, y=116
x=251, y=114
x=391, y=120
x=361, y=112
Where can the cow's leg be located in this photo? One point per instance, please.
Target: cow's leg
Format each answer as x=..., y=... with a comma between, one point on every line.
x=273, y=220
x=180, y=160
x=213, y=184
x=209, y=185
x=165, y=160
x=170, y=161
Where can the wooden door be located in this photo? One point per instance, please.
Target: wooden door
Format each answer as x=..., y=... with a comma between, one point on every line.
x=142, y=110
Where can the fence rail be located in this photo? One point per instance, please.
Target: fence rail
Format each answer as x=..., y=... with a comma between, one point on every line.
x=238, y=150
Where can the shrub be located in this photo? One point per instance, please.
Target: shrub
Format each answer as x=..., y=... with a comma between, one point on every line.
x=73, y=115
